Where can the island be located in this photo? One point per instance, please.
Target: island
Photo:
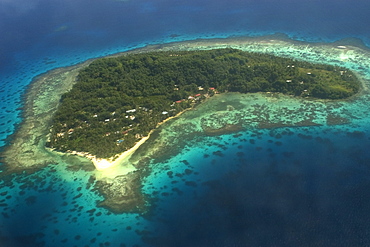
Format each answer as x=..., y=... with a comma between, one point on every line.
x=118, y=101
x=76, y=120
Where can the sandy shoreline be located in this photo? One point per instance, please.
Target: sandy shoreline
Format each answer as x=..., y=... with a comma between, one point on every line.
x=43, y=95
x=102, y=164
x=119, y=180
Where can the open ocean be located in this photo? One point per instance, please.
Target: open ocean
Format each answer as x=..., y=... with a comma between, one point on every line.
x=305, y=186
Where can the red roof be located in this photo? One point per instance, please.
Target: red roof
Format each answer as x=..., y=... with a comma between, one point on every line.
x=179, y=101
x=197, y=95
x=212, y=88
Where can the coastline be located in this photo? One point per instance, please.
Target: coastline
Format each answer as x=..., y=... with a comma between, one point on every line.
x=102, y=164
x=27, y=153
x=40, y=102
x=43, y=94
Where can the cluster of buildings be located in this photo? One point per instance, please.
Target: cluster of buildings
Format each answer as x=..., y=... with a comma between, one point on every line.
x=197, y=96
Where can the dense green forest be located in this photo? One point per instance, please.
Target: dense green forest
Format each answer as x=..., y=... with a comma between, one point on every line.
x=116, y=101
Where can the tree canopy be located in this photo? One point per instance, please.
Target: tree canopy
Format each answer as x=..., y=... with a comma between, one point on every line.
x=116, y=101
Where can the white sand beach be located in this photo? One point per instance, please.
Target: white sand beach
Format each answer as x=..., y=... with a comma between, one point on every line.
x=44, y=93
x=123, y=158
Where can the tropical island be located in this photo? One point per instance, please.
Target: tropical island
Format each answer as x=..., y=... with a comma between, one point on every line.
x=293, y=99
x=117, y=101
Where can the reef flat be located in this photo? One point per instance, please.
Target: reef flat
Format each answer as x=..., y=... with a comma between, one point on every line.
x=218, y=115
x=26, y=149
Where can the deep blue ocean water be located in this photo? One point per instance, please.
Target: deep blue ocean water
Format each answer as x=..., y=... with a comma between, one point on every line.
x=305, y=188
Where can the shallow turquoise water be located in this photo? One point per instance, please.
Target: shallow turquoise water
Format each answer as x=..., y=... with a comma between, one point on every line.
x=302, y=186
